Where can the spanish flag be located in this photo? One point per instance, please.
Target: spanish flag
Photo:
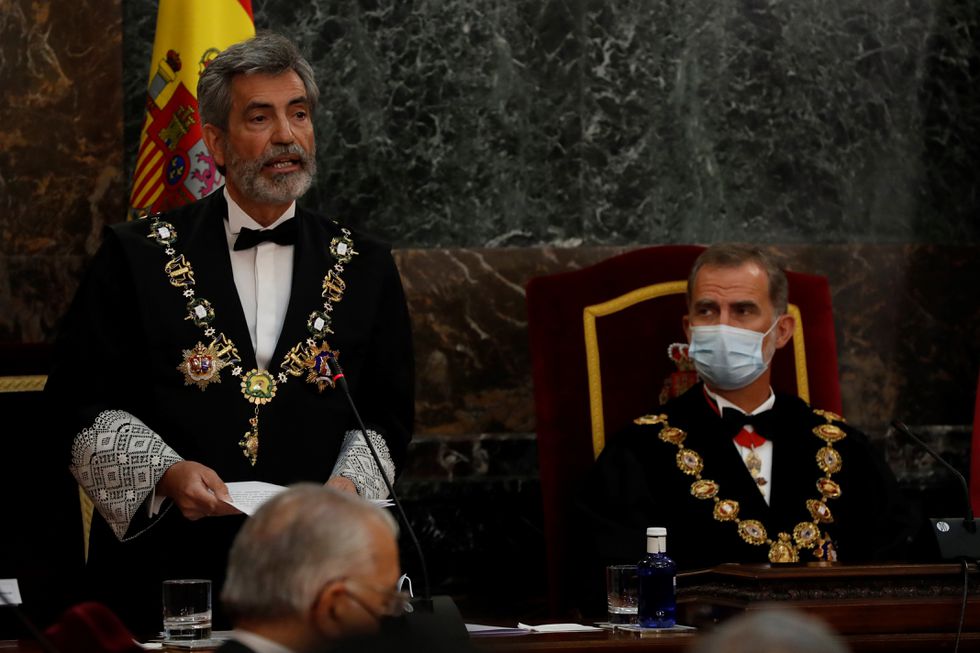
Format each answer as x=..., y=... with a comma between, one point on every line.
x=174, y=166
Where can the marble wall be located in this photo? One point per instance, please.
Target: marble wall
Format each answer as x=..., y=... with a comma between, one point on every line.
x=535, y=122
x=61, y=155
x=494, y=140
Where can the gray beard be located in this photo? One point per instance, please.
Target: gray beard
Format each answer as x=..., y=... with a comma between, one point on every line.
x=278, y=189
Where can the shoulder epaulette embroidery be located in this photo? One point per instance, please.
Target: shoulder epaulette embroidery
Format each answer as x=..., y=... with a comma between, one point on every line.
x=829, y=416
x=646, y=420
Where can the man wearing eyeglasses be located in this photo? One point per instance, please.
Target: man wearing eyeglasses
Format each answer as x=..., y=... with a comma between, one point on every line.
x=313, y=567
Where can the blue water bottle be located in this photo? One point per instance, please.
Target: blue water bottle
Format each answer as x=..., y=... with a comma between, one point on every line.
x=658, y=581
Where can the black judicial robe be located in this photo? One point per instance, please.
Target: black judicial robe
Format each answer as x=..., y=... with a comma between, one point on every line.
x=119, y=349
x=636, y=483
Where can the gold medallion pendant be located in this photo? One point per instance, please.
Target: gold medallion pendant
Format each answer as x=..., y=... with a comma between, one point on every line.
x=201, y=366
x=250, y=441
x=259, y=387
x=782, y=550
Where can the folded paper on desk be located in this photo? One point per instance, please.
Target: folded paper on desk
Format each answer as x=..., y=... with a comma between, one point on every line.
x=247, y=496
x=481, y=630
x=559, y=628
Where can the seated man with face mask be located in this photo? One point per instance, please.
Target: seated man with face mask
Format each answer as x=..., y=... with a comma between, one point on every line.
x=735, y=472
x=314, y=567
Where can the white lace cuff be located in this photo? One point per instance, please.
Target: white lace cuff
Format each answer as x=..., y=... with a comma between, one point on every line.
x=118, y=461
x=356, y=464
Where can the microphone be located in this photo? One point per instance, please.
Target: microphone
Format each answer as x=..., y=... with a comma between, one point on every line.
x=957, y=538
x=443, y=618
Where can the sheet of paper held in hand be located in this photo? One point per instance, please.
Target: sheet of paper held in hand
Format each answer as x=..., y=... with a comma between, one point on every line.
x=247, y=496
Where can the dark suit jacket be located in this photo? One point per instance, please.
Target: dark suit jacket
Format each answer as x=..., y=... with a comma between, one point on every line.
x=636, y=484
x=121, y=343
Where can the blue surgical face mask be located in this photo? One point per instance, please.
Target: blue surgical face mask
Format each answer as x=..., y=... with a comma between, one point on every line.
x=727, y=357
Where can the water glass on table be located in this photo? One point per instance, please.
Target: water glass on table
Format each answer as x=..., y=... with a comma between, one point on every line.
x=622, y=593
x=187, y=609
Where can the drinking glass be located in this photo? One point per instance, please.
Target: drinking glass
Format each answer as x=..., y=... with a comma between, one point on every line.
x=622, y=593
x=187, y=609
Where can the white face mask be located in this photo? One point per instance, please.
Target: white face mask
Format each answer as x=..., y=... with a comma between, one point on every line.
x=728, y=357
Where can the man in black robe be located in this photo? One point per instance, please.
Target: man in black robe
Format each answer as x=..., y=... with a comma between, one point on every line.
x=735, y=472
x=196, y=350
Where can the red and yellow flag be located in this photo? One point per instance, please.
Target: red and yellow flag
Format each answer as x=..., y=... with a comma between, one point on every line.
x=174, y=166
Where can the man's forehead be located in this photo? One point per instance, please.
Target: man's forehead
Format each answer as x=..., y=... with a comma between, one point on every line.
x=264, y=88
x=745, y=281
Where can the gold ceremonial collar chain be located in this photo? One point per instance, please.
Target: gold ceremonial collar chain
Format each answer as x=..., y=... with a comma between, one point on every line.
x=806, y=534
x=202, y=364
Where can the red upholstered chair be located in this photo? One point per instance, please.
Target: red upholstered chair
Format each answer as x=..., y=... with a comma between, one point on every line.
x=599, y=339
x=91, y=628
x=975, y=456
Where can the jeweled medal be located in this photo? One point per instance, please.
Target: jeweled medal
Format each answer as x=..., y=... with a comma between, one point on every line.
x=319, y=369
x=259, y=387
x=783, y=550
x=754, y=465
x=250, y=441
x=201, y=366
x=343, y=248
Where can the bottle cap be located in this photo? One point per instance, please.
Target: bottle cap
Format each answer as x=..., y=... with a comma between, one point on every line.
x=657, y=531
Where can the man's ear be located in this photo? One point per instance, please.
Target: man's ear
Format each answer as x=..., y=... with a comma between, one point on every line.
x=686, y=323
x=784, y=329
x=214, y=138
x=326, y=610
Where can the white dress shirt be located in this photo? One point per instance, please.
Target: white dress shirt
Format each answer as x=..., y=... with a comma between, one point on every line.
x=263, y=275
x=764, y=451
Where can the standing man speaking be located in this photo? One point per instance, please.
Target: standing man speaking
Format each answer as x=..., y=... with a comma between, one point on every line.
x=195, y=351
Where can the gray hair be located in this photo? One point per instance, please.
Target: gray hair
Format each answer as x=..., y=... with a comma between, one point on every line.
x=267, y=53
x=771, y=631
x=293, y=546
x=733, y=255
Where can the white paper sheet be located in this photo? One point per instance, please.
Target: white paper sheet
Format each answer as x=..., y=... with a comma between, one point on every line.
x=482, y=630
x=11, y=592
x=559, y=628
x=247, y=496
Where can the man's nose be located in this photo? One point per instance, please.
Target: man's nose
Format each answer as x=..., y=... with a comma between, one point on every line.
x=284, y=131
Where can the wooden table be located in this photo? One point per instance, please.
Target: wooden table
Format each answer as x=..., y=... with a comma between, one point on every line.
x=875, y=608
x=894, y=607
x=677, y=643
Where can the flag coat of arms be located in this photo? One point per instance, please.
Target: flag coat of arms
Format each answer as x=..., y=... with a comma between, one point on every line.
x=173, y=166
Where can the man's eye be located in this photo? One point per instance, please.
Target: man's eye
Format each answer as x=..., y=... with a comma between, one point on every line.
x=301, y=115
x=258, y=118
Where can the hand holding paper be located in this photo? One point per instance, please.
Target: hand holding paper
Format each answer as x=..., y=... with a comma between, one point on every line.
x=247, y=496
